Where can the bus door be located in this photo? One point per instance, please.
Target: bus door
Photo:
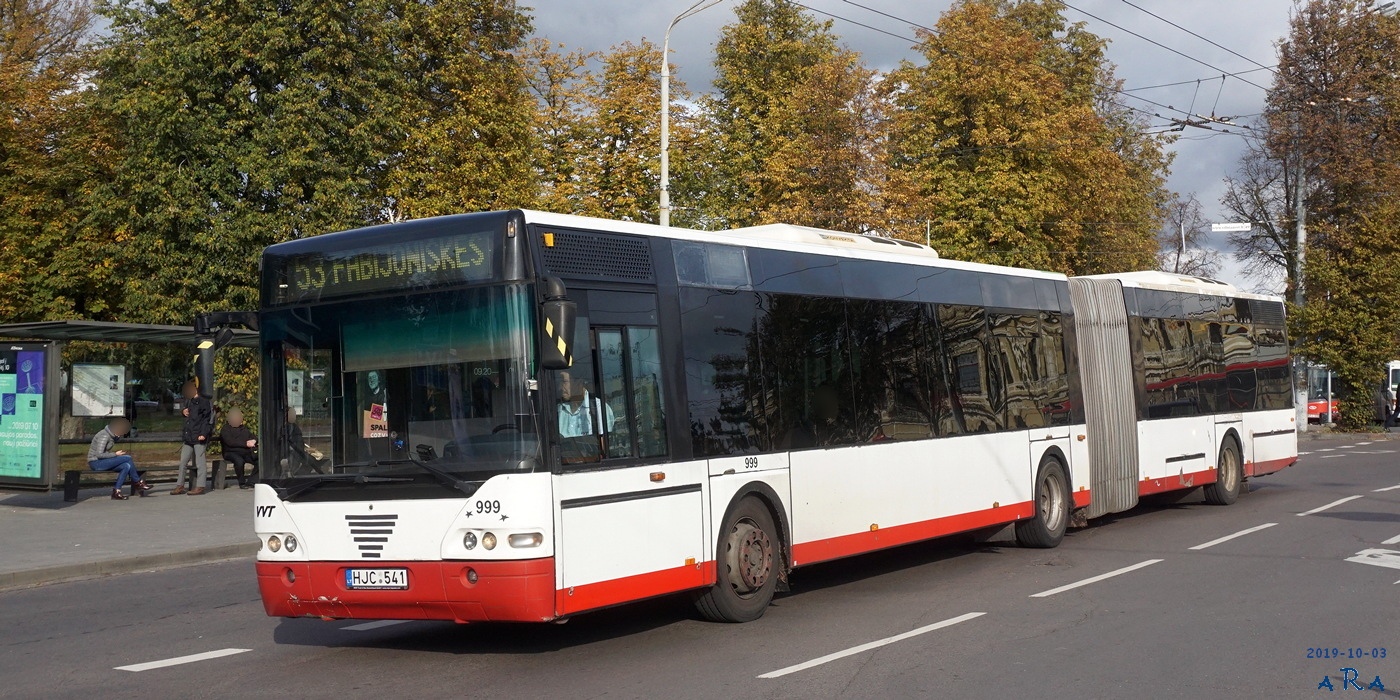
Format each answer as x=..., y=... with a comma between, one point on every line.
x=630, y=523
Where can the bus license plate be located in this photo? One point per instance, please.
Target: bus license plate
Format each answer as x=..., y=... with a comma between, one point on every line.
x=383, y=579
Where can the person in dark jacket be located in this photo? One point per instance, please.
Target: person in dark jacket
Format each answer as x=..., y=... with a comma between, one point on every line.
x=238, y=447
x=199, y=426
x=102, y=457
x=298, y=453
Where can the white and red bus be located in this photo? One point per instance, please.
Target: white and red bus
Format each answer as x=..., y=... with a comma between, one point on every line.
x=522, y=416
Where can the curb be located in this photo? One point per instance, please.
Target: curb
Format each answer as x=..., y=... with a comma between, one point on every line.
x=126, y=565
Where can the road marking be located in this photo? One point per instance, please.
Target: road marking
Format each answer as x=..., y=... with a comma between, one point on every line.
x=1363, y=443
x=871, y=645
x=136, y=668
x=1346, y=447
x=1393, y=540
x=1304, y=454
x=1326, y=449
x=1329, y=505
x=1096, y=579
x=1378, y=557
x=367, y=626
x=1227, y=538
x=1388, y=488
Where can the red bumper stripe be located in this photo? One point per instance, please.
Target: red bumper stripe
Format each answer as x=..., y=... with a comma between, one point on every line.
x=1189, y=480
x=1269, y=466
x=504, y=591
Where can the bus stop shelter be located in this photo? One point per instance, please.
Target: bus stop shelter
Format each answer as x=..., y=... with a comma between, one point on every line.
x=32, y=383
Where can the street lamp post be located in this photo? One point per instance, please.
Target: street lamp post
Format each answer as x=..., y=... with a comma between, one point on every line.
x=664, y=217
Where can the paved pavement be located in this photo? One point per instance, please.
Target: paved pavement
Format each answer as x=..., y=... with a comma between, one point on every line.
x=45, y=540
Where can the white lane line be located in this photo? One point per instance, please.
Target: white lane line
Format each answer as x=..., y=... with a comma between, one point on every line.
x=1227, y=538
x=1326, y=449
x=1363, y=443
x=1393, y=540
x=367, y=626
x=1096, y=579
x=1388, y=488
x=181, y=660
x=1346, y=447
x=871, y=645
x=1329, y=505
x=1304, y=454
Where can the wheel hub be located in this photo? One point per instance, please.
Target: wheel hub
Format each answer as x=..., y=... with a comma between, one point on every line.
x=751, y=558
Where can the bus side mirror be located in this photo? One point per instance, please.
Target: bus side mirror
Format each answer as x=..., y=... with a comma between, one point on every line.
x=558, y=316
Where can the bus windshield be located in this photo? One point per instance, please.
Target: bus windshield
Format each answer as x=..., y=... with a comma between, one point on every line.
x=382, y=387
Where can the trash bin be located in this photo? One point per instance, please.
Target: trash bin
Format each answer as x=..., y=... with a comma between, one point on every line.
x=70, y=485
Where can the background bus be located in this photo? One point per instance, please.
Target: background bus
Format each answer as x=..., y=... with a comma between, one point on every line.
x=524, y=416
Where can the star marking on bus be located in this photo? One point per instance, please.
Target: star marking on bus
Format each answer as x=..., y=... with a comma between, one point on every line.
x=503, y=517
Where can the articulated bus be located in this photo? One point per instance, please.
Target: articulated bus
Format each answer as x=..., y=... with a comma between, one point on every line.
x=523, y=416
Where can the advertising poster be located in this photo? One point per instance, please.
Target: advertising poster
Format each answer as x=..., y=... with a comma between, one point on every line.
x=21, y=412
x=296, y=390
x=98, y=390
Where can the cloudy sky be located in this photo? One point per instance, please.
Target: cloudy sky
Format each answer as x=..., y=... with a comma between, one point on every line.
x=1250, y=28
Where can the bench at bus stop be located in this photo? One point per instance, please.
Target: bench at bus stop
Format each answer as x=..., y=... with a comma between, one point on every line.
x=73, y=479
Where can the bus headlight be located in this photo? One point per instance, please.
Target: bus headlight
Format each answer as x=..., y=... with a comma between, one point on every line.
x=274, y=543
x=523, y=540
x=290, y=543
x=488, y=540
x=469, y=540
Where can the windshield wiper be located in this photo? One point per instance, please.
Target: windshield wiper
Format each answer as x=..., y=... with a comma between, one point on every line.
x=288, y=493
x=446, y=478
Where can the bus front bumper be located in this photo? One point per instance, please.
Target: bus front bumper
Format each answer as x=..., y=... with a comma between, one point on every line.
x=462, y=591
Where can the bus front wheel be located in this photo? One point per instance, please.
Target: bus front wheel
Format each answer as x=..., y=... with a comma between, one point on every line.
x=748, y=563
x=1228, y=477
x=1047, y=527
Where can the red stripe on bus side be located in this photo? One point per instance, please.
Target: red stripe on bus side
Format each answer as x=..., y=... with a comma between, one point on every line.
x=1189, y=480
x=1269, y=466
x=629, y=588
x=893, y=536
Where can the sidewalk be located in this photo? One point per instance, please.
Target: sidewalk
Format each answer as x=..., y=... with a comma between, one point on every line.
x=45, y=540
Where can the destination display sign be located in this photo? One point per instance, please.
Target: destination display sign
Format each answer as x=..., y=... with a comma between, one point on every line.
x=455, y=259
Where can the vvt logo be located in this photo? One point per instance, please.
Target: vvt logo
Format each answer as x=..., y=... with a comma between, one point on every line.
x=265, y=511
x=1349, y=682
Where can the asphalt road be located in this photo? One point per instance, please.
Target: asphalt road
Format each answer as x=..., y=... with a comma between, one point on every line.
x=1180, y=619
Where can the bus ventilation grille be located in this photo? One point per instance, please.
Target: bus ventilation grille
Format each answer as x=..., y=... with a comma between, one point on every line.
x=1267, y=312
x=598, y=256
x=371, y=532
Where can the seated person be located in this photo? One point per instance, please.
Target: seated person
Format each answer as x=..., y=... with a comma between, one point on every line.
x=239, y=447
x=103, y=458
x=299, y=453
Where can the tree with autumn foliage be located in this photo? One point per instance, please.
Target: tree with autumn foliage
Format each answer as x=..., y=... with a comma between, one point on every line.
x=53, y=149
x=1006, y=145
x=764, y=63
x=1330, y=116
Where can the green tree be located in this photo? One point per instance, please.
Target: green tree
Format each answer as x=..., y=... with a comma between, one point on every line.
x=242, y=124
x=1329, y=122
x=1006, y=147
x=619, y=172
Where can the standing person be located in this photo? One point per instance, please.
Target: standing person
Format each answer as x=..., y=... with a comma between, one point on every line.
x=1388, y=404
x=102, y=458
x=199, y=425
x=238, y=447
x=1394, y=415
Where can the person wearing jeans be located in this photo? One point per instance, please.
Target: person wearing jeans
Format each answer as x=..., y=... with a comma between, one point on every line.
x=199, y=425
x=103, y=458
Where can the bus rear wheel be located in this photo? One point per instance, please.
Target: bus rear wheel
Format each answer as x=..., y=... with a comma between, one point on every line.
x=1047, y=528
x=748, y=563
x=1228, y=477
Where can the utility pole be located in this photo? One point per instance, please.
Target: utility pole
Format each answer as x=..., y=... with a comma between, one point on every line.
x=664, y=215
x=1300, y=232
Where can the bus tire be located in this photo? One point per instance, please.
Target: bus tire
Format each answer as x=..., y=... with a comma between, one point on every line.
x=747, y=562
x=1046, y=528
x=1228, y=477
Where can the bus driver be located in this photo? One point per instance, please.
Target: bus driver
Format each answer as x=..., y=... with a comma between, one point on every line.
x=575, y=413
